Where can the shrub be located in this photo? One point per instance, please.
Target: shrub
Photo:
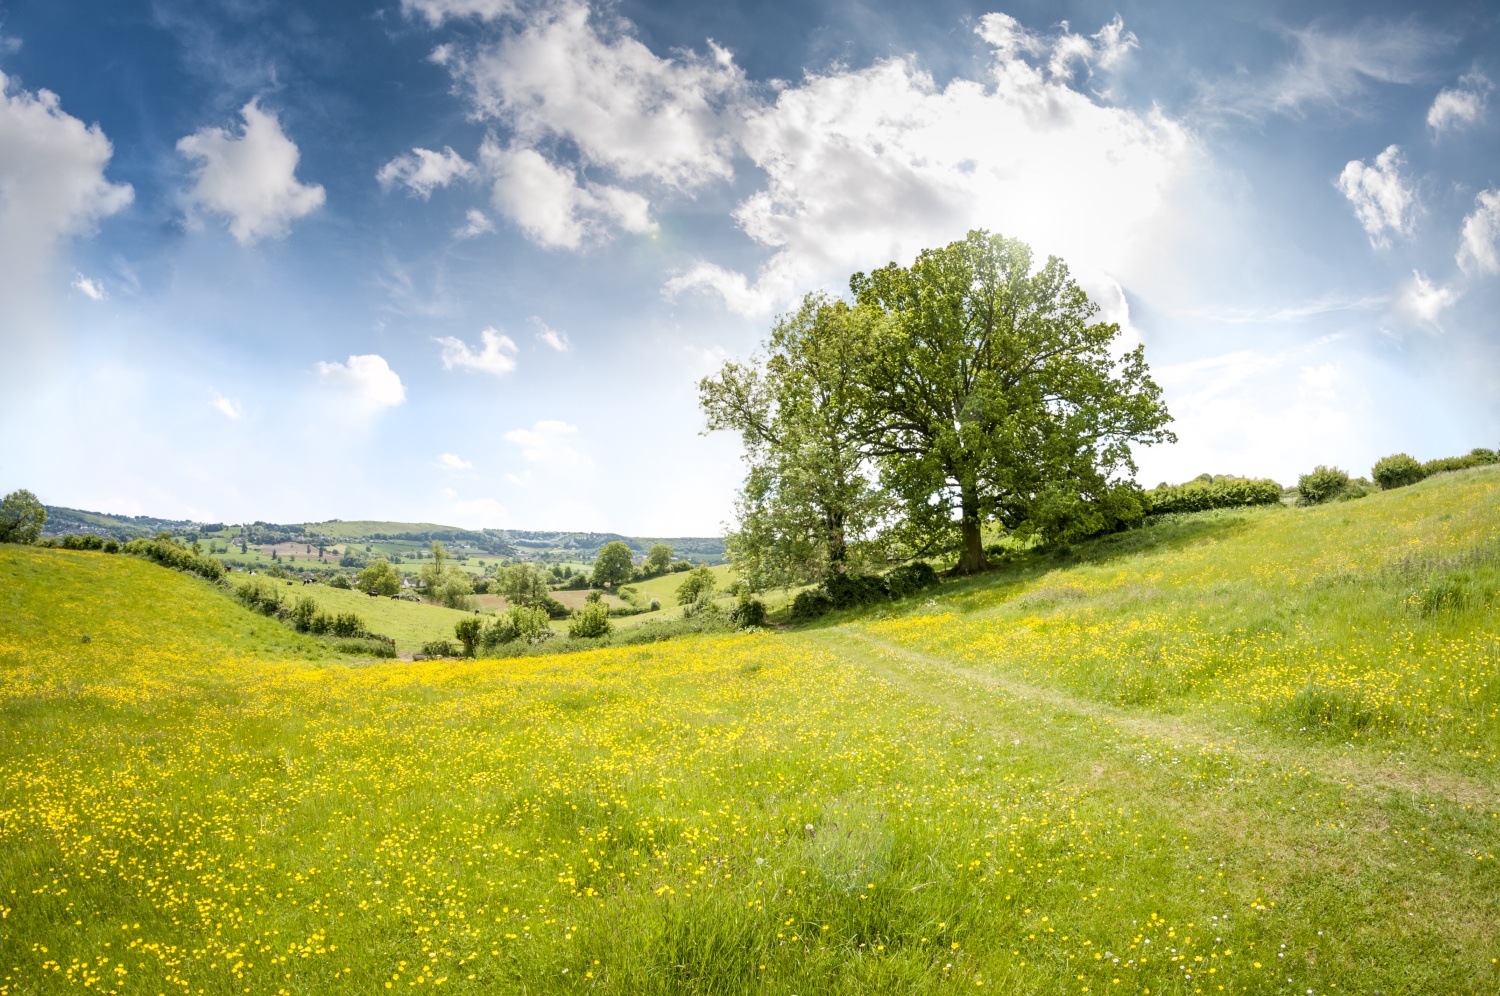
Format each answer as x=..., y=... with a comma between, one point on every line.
x=170, y=554
x=750, y=611
x=440, y=648
x=655, y=604
x=111, y=546
x=1397, y=471
x=468, y=632
x=845, y=590
x=699, y=582
x=304, y=610
x=809, y=605
x=258, y=594
x=1322, y=485
x=380, y=577
x=705, y=607
x=522, y=622
x=339, y=581
x=347, y=624
x=908, y=579
x=82, y=542
x=591, y=621
x=1207, y=492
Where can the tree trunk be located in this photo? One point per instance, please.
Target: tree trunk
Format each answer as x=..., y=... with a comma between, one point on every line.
x=838, y=550
x=971, y=561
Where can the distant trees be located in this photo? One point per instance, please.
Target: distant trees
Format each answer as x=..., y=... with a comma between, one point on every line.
x=658, y=559
x=614, y=565
x=445, y=584
x=970, y=387
x=380, y=577
x=22, y=517
x=523, y=584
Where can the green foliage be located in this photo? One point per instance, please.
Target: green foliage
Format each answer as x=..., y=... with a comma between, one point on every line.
x=1213, y=492
x=1476, y=458
x=590, y=622
x=847, y=590
x=82, y=541
x=909, y=579
x=339, y=581
x=613, y=566
x=372, y=645
x=303, y=612
x=439, y=648
x=749, y=612
x=452, y=589
x=658, y=559
x=810, y=604
x=349, y=624
x=468, y=632
x=527, y=623
x=170, y=554
x=22, y=517
x=1397, y=471
x=523, y=584
x=698, y=583
x=258, y=594
x=380, y=577
x=1322, y=485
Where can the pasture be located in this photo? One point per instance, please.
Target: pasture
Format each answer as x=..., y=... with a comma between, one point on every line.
x=1239, y=752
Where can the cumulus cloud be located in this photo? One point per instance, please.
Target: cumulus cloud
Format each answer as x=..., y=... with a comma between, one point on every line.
x=477, y=513
x=550, y=204
x=476, y=222
x=422, y=170
x=452, y=461
x=227, y=407
x=438, y=11
x=551, y=337
x=1422, y=301
x=52, y=188
x=89, y=288
x=496, y=354
x=1383, y=201
x=549, y=443
x=250, y=178
x=1326, y=70
x=1461, y=106
x=1479, y=245
x=368, y=379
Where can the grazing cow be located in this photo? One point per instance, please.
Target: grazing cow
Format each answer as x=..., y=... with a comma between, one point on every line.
x=373, y=594
x=307, y=581
x=395, y=598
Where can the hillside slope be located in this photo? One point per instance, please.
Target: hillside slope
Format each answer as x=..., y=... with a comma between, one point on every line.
x=1081, y=775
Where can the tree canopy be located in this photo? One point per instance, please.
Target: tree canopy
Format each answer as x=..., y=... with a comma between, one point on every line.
x=658, y=559
x=970, y=387
x=614, y=564
x=380, y=577
x=22, y=517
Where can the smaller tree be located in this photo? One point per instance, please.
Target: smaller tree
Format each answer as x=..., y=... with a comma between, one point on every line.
x=1322, y=485
x=658, y=559
x=590, y=622
x=523, y=584
x=613, y=565
x=698, y=584
x=380, y=577
x=468, y=631
x=22, y=517
x=1397, y=471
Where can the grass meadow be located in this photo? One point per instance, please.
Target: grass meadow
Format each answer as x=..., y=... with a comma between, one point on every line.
x=410, y=624
x=1249, y=752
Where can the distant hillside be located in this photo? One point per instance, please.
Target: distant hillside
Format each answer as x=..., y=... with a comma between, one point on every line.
x=499, y=542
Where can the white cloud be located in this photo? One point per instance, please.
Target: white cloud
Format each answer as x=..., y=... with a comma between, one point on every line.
x=547, y=201
x=370, y=381
x=1326, y=70
x=1461, y=106
x=438, y=11
x=452, y=461
x=476, y=222
x=551, y=337
x=478, y=513
x=423, y=170
x=548, y=443
x=865, y=166
x=1422, y=301
x=227, y=407
x=91, y=289
x=566, y=75
x=250, y=178
x=497, y=355
x=1383, y=201
x=1479, y=245
x=52, y=188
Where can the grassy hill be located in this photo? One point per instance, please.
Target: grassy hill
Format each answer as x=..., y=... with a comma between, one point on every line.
x=1254, y=750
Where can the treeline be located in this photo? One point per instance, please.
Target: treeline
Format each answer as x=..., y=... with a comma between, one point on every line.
x=1400, y=470
x=1209, y=491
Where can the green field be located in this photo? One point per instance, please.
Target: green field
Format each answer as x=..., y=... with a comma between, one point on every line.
x=1243, y=752
x=411, y=624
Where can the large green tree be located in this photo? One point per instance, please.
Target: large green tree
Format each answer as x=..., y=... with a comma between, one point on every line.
x=614, y=565
x=658, y=559
x=998, y=396
x=523, y=584
x=22, y=517
x=809, y=503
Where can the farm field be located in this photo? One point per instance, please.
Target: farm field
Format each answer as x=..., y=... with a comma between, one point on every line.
x=1241, y=752
x=411, y=624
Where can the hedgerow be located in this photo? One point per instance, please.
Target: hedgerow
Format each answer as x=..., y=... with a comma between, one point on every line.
x=1212, y=492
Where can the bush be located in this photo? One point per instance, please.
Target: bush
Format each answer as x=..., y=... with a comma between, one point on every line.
x=440, y=648
x=523, y=622
x=749, y=612
x=258, y=595
x=1208, y=492
x=654, y=605
x=347, y=624
x=170, y=554
x=699, y=582
x=468, y=632
x=81, y=542
x=339, y=581
x=111, y=546
x=809, y=605
x=591, y=622
x=704, y=608
x=304, y=610
x=1322, y=485
x=845, y=591
x=1397, y=471
x=908, y=579
x=369, y=646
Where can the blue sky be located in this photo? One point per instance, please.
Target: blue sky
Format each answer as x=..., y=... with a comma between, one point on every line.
x=465, y=260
